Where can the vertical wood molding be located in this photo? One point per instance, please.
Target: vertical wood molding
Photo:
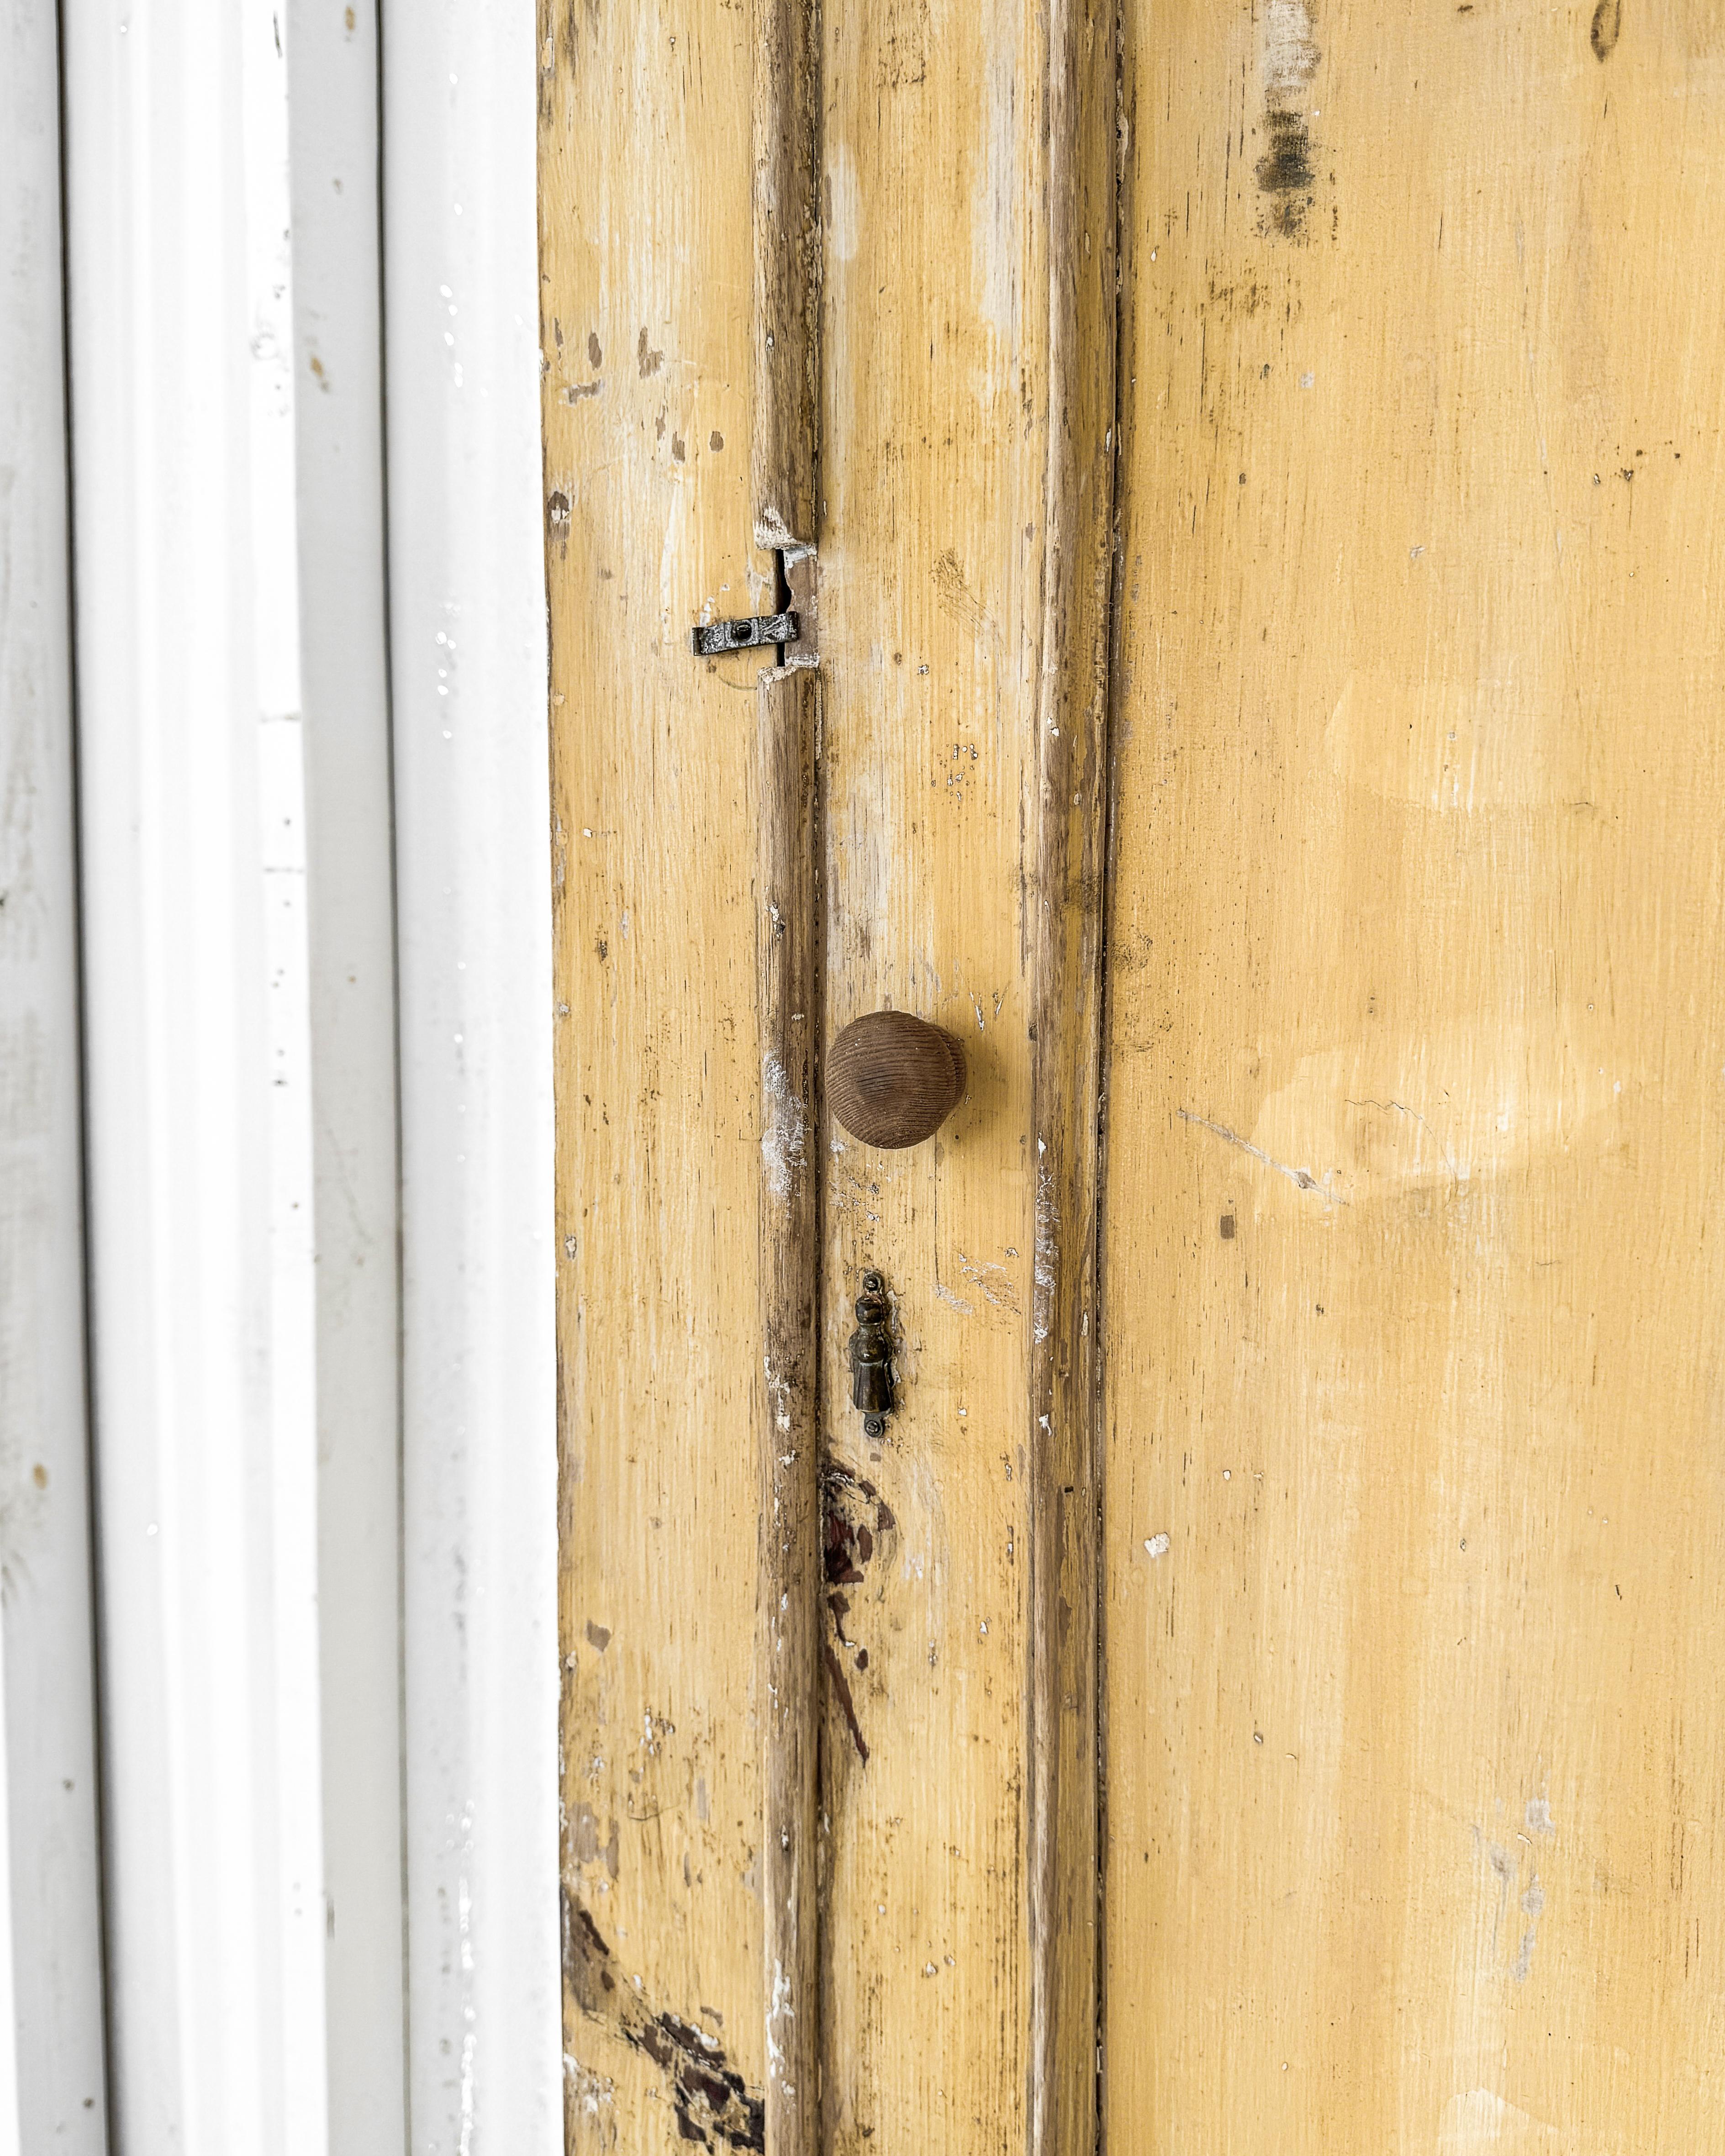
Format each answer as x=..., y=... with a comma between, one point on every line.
x=946, y=1695
x=787, y=272
x=790, y=1676
x=1066, y=931
x=648, y=331
x=782, y=467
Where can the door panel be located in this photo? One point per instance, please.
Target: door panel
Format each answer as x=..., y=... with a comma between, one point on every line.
x=647, y=342
x=965, y=369
x=1414, y=1135
x=965, y=379
x=1365, y=1425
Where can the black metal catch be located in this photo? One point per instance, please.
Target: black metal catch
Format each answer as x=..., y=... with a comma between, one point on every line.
x=714, y=637
x=870, y=1355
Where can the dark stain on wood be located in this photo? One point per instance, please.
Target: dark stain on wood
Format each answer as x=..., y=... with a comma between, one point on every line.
x=854, y=1518
x=1285, y=172
x=713, y=2106
x=847, y=1706
x=1286, y=166
x=1607, y=29
x=849, y=1540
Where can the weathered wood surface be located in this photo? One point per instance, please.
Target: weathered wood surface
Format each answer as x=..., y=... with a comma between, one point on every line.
x=966, y=336
x=1412, y=1821
x=788, y=1589
x=648, y=308
x=963, y=520
x=782, y=464
x=1416, y=1096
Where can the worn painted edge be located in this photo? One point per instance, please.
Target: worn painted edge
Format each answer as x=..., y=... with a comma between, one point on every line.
x=782, y=473
x=790, y=1682
x=787, y=269
x=1066, y=937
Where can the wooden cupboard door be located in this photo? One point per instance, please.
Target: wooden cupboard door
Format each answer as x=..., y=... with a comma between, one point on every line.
x=828, y=1728
x=1415, y=1134
x=1248, y=475
x=647, y=341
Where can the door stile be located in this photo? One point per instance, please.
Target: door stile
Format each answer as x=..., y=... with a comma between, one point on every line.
x=968, y=330
x=1067, y=923
x=789, y=1687
x=781, y=470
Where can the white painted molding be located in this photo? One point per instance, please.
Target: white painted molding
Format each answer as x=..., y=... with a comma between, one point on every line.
x=472, y=823
x=327, y=1497
x=333, y=123
x=198, y=1072
x=52, y=2092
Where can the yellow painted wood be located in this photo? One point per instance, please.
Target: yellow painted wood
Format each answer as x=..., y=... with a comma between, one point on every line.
x=1415, y=1137
x=962, y=520
x=966, y=388
x=648, y=309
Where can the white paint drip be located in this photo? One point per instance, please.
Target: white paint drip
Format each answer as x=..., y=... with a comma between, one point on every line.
x=1532, y=1907
x=784, y=1137
x=781, y=2009
x=1157, y=1545
x=844, y=230
x=463, y=1904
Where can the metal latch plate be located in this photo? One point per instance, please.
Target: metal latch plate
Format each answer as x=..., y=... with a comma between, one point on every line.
x=714, y=638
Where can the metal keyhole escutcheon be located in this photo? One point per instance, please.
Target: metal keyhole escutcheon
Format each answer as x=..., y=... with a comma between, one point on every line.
x=871, y=1357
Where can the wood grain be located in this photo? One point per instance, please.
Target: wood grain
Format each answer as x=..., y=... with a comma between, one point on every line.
x=892, y=1080
x=1065, y=937
x=782, y=464
x=1414, y=1142
x=787, y=925
x=649, y=344
x=966, y=388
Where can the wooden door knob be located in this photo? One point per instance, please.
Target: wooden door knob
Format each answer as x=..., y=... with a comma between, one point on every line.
x=893, y=1079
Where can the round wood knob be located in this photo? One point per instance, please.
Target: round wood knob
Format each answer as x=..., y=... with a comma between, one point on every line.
x=892, y=1080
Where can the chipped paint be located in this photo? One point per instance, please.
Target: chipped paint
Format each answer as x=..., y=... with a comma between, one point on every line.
x=784, y=1134
x=713, y=2104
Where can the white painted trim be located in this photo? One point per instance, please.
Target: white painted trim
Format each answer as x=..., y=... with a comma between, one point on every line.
x=52, y=2092
x=243, y=1074
x=198, y=1106
x=472, y=824
x=333, y=117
